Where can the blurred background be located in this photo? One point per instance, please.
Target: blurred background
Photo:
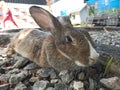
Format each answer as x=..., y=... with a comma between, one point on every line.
x=81, y=12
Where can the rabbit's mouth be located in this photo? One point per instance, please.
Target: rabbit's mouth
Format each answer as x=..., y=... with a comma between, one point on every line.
x=92, y=61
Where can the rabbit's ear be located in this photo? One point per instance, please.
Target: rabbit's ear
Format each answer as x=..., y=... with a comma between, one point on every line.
x=65, y=21
x=48, y=22
x=44, y=19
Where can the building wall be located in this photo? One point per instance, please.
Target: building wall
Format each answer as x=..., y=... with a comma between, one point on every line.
x=67, y=5
x=84, y=14
x=71, y=7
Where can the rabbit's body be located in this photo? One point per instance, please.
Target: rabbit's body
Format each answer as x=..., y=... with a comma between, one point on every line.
x=39, y=46
x=63, y=48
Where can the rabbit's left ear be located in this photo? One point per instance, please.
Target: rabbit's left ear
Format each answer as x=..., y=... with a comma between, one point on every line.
x=44, y=19
x=48, y=22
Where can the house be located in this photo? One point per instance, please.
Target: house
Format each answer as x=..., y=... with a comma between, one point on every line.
x=76, y=9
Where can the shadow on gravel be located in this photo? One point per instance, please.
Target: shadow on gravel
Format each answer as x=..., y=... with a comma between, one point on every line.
x=111, y=50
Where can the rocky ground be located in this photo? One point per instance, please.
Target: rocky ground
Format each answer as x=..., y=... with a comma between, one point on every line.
x=107, y=41
x=17, y=73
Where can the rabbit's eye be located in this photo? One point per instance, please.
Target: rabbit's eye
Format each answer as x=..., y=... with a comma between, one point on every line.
x=68, y=39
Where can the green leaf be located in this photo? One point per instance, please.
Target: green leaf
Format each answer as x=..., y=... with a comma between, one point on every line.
x=108, y=66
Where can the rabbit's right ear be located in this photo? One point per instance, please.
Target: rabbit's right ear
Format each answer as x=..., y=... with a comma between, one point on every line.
x=65, y=21
x=47, y=22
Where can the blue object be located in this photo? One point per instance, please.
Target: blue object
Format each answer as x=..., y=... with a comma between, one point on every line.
x=108, y=4
x=91, y=2
x=105, y=4
x=63, y=12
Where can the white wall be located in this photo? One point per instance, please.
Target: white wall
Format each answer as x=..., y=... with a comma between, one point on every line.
x=84, y=14
x=69, y=5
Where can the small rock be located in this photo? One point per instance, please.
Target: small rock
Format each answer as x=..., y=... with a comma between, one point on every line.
x=16, y=78
x=2, y=62
x=91, y=84
x=66, y=76
x=61, y=86
x=2, y=71
x=110, y=82
x=78, y=85
x=5, y=77
x=31, y=66
x=50, y=88
x=118, y=85
x=101, y=89
x=54, y=81
x=40, y=85
x=46, y=72
x=33, y=79
x=81, y=76
x=4, y=40
x=14, y=71
x=20, y=61
x=4, y=87
x=20, y=86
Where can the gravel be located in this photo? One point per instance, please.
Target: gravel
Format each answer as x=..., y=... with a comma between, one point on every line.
x=108, y=42
x=29, y=76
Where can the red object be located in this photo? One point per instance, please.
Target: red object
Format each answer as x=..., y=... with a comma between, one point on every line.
x=9, y=17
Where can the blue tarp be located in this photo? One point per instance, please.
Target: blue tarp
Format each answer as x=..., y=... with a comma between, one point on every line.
x=105, y=4
x=91, y=1
x=108, y=4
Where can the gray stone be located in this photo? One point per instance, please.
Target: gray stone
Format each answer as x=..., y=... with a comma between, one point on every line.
x=14, y=71
x=46, y=72
x=31, y=66
x=110, y=82
x=50, y=88
x=81, y=76
x=40, y=85
x=101, y=89
x=4, y=87
x=92, y=84
x=20, y=86
x=66, y=76
x=78, y=85
x=118, y=85
x=54, y=81
x=61, y=86
x=33, y=79
x=20, y=61
x=16, y=78
x=2, y=62
x=5, y=77
x=4, y=40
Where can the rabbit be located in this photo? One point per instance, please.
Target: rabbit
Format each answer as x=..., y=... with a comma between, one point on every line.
x=59, y=45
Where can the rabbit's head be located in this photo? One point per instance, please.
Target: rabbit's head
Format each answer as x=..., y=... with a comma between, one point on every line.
x=72, y=44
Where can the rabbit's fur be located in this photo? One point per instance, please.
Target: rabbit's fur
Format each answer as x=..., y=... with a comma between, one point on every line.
x=62, y=48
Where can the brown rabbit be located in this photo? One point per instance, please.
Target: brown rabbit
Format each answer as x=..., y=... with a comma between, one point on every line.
x=62, y=48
